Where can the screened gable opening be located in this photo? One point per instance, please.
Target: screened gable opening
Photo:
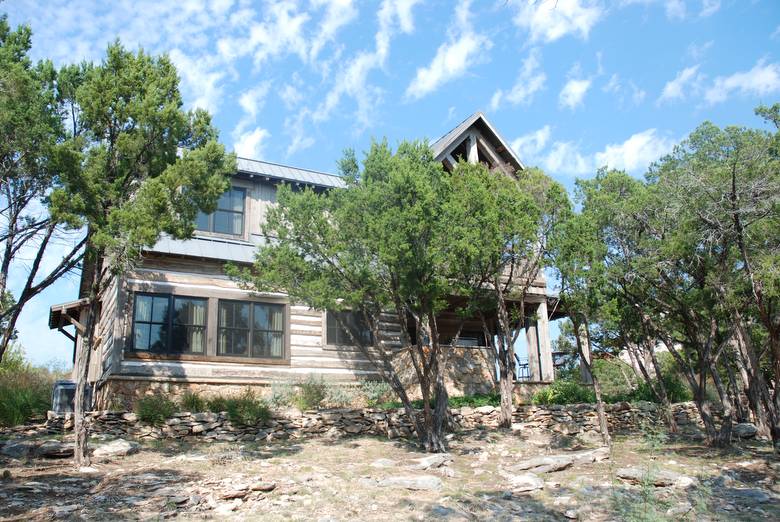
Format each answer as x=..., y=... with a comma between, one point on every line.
x=338, y=336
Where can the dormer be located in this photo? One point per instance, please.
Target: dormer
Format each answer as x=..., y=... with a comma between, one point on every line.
x=475, y=140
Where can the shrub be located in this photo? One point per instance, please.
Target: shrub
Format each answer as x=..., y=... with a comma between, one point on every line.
x=191, y=401
x=282, y=394
x=154, y=409
x=217, y=404
x=375, y=392
x=311, y=393
x=247, y=409
x=475, y=401
x=339, y=396
x=25, y=390
x=564, y=392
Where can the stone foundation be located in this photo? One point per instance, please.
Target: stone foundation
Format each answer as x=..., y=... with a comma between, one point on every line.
x=577, y=420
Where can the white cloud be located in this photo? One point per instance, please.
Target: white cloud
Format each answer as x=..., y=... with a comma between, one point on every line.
x=697, y=51
x=530, y=80
x=676, y=89
x=549, y=20
x=352, y=79
x=709, y=7
x=291, y=95
x=761, y=80
x=251, y=144
x=252, y=100
x=294, y=127
x=636, y=153
x=338, y=13
x=202, y=80
x=531, y=144
x=573, y=93
x=675, y=9
x=633, y=155
x=622, y=90
x=463, y=49
x=775, y=33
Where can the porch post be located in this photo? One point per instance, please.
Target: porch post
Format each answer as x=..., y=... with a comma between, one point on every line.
x=545, y=347
x=532, y=341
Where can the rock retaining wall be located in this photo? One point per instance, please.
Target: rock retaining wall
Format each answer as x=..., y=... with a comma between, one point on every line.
x=578, y=420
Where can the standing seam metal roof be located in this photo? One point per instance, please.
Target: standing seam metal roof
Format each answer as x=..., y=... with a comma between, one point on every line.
x=287, y=173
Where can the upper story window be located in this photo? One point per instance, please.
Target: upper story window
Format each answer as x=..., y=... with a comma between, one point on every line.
x=229, y=216
x=337, y=335
x=248, y=329
x=165, y=323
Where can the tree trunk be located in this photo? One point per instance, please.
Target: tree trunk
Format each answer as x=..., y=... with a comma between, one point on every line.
x=506, y=390
x=602, y=416
x=724, y=435
x=83, y=356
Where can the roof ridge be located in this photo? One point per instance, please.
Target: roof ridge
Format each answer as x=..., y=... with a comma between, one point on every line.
x=290, y=166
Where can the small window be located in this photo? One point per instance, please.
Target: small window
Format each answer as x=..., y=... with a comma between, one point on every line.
x=251, y=330
x=338, y=336
x=470, y=340
x=229, y=216
x=164, y=323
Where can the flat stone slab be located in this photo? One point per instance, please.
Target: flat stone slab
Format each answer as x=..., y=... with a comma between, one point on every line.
x=526, y=482
x=116, y=448
x=420, y=483
x=659, y=478
x=550, y=463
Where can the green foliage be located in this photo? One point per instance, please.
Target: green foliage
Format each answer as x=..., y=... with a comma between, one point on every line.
x=375, y=392
x=155, y=409
x=311, y=393
x=25, y=390
x=339, y=396
x=192, y=402
x=217, y=404
x=564, y=392
x=475, y=401
x=282, y=394
x=247, y=409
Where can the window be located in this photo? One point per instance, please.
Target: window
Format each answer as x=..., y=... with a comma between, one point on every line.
x=251, y=330
x=338, y=336
x=169, y=324
x=229, y=216
x=471, y=339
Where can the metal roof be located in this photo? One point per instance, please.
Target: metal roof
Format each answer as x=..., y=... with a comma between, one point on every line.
x=210, y=248
x=440, y=146
x=288, y=173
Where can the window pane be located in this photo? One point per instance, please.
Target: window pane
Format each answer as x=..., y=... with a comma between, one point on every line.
x=157, y=340
x=223, y=222
x=143, y=307
x=141, y=337
x=238, y=223
x=276, y=345
x=197, y=337
x=202, y=221
x=238, y=342
x=354, y=321
x=260, y=344
x=237, y=199
x=224, y=200
x=179, y=340
x=189, y=311
x=159, y=309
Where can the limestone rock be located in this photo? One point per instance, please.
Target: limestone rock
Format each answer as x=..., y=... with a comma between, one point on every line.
x=526, y=482
x=18, y=449
x=745, y=430
x=432, y=461
x=422, y=482
x=116, y=448
x=54, y=449
x=660, y=478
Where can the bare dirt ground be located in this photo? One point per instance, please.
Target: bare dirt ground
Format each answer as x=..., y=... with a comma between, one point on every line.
x=368, y=478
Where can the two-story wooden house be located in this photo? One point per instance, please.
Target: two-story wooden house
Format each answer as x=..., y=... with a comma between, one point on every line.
x=177, y=322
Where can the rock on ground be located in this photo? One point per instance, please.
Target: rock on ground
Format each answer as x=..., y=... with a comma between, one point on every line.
x=526, y=482
x=659, y=478
x=116, y=448
x=744, y=430
x=423, y=482
x=550, y=463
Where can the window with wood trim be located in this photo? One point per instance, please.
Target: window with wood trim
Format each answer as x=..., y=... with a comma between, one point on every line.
x=229, y=216
x=336, y=335
x=168, y=324
x=250, y=329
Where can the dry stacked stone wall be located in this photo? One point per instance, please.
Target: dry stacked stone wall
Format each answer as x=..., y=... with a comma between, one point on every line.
x=578, y=420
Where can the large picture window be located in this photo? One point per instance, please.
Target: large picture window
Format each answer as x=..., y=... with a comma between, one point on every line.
x=338, y=336
x=165, y=323
x=251, y=330
x=229, y=216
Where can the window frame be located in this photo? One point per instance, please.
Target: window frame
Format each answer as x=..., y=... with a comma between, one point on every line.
x=285, y=333
x=210, y=217
x=336, y=346
x=169, y=352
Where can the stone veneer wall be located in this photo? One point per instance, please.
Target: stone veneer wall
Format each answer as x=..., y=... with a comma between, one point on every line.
x=578, y=420
x=469, y=373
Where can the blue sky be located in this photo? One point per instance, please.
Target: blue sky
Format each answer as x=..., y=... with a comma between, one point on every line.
x=572, y=84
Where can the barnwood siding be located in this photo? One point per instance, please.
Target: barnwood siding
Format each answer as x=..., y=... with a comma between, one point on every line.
x=304, y=327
